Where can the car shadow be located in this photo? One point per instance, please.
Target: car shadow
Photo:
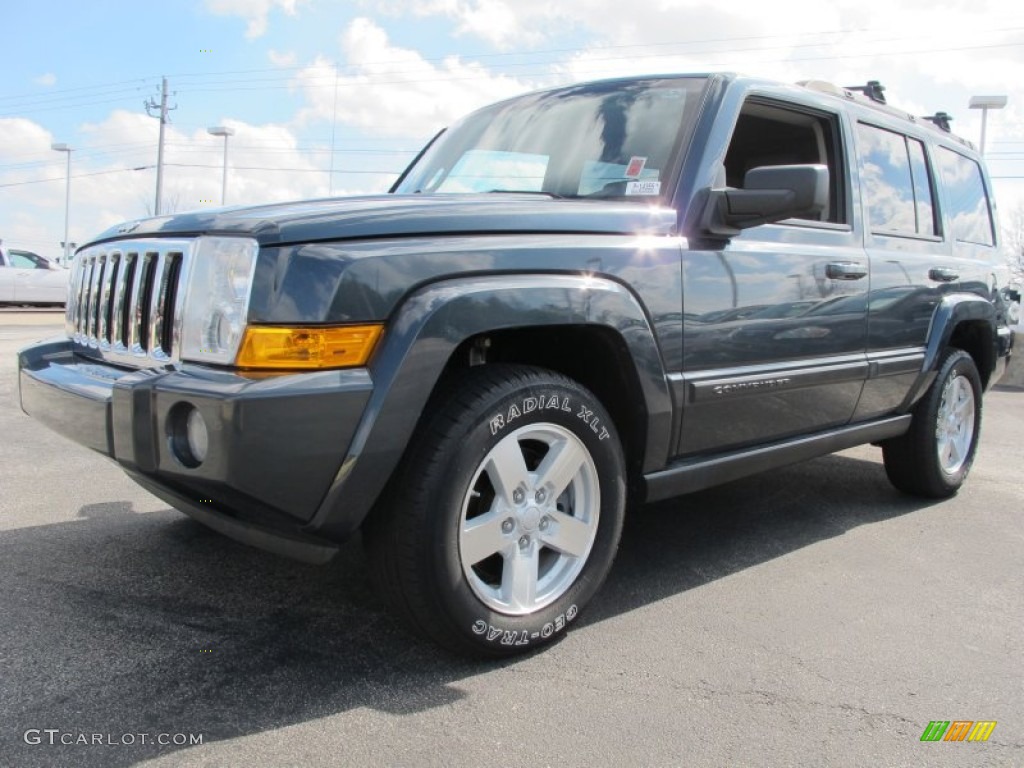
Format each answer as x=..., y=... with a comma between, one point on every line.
x=683, y=543
x=122, y=623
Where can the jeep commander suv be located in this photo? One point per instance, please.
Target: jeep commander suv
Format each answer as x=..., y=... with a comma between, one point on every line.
x=625, y=289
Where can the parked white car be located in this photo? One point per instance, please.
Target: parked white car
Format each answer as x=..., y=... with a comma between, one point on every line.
x=28, y=278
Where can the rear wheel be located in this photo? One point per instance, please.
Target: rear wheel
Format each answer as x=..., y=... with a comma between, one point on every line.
x=934, y=457
x=506, y=515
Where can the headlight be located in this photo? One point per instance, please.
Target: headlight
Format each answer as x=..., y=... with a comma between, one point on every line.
x=217, y=298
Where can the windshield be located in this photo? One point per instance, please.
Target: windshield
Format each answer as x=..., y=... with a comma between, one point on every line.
x=616, y=139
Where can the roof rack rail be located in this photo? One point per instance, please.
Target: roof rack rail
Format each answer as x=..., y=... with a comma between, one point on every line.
x=941, y=120
x=873, y=89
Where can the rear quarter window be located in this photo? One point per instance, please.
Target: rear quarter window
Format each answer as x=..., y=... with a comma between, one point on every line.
x=970, y=214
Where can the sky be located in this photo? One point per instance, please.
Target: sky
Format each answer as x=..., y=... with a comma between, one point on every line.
x=335, y=97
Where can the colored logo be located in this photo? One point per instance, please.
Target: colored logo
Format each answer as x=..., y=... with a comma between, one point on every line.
x=958, y=730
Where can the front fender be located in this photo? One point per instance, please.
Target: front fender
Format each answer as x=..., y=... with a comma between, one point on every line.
x=424, y=333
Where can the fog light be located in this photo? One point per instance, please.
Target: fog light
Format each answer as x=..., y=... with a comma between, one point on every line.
x=198, y=437
x=187, y=435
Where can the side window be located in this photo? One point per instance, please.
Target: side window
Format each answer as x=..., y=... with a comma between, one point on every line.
x=25, y=261
x=769, y=134
x=895, y=182
x=969, y=210
x=926, y=224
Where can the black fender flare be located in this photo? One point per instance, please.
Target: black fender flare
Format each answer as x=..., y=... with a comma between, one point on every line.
x=425, y=331
x=952, y=310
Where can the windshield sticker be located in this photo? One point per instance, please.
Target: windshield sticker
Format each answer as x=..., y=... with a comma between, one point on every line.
x=643, y=188
x=635, y=167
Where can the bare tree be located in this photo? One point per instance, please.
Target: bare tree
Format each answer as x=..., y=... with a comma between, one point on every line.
x=170, y=204
x=1013, y=233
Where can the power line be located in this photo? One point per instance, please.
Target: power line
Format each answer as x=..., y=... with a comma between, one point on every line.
x=29, y=164
x=22, y=112
x=370, y=80
x=643, y=46
x=47, y=98
x=182, y=147
x=294, y=170
x=77, y=176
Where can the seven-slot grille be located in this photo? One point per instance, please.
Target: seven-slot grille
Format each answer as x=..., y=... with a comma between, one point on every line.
x=125, y=299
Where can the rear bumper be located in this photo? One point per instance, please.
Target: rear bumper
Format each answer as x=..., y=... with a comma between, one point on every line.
x=275, y=443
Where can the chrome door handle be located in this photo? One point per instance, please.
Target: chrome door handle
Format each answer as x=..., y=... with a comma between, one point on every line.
x=943, y=274
x=845, y=270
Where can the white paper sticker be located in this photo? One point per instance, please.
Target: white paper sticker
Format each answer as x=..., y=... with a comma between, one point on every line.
x=643, y=188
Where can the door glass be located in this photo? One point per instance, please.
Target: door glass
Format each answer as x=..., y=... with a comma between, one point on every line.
x=887, y=181
x=965, y=195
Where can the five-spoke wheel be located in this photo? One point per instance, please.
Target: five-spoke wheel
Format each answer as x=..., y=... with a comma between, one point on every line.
x=529, y=519
x=933, y=458
x=506, y=515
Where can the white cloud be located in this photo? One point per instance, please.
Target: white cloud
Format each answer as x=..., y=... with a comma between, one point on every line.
x=266, y=164
x=929, y=56
x=282, y=58
x=253, y=11
x=47, y=79
x=394, y=91
x=501, y=23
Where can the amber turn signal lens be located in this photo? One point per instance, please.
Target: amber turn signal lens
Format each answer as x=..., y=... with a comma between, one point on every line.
x=313, y=348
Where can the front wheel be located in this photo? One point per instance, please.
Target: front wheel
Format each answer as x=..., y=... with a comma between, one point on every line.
x=506, y=515
x=935, y=455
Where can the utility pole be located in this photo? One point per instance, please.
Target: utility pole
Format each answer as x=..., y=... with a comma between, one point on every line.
x=67, y=198
x=162, y=106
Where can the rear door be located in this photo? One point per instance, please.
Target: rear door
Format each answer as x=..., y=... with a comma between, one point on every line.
x=912, y=265
x=775, y=320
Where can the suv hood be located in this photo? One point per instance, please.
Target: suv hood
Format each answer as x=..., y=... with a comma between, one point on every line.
x=407, y=215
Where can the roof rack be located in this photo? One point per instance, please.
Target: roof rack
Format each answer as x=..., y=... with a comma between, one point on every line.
x=873, y=89
x=872, y=95
x=941, y=120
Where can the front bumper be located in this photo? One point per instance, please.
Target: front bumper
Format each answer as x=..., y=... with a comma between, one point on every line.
x=275, y=443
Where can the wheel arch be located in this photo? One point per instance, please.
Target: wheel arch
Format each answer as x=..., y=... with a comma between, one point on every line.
x=597, y=356
x=547, y=320
x=964, y=321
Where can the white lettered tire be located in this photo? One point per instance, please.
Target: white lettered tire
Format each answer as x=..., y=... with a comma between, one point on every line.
x=505, y=517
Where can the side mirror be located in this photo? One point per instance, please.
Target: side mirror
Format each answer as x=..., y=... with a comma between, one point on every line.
x=770, y=193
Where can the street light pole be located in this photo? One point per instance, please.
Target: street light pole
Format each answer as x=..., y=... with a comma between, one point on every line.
x=67, y=195
x=225, y=131
x=985, y=103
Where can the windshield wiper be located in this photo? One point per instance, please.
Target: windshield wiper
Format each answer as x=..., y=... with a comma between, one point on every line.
x=552, y=195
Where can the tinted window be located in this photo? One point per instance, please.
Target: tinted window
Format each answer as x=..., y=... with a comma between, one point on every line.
x=768, y=134
x=894, y=178
x=922, y=189
x=969, y=211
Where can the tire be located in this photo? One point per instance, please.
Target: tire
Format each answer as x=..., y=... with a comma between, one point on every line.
x=506, y=514
x=935, y=456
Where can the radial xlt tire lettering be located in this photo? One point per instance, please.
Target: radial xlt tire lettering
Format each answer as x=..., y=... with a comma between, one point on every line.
x=506, y=515
x=934, y=457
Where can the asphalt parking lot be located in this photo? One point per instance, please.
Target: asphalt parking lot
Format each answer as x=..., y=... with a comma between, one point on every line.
x=808, y=617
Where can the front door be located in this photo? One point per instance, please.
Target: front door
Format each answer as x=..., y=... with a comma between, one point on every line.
x=775, y=320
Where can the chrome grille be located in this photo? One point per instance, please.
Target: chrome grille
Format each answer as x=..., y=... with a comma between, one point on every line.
x=125, y=300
